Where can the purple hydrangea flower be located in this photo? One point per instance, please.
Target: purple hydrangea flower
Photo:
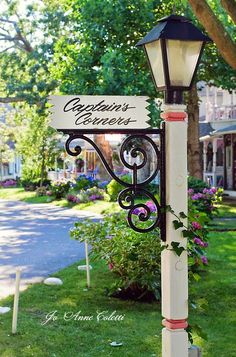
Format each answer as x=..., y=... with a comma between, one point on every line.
x=136, y=211
x=197, y=241
x=197, y=196
x=204, y=260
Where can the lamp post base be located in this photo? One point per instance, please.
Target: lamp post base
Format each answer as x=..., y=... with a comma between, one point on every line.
x=174, y=343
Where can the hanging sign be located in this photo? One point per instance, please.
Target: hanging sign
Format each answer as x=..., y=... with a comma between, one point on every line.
x=99, y=112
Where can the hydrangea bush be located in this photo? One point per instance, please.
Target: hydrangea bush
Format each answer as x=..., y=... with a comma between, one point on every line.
x=135, y=257
x=89, y=195
x=59, y=189
x=84, y=182
x=8, y=183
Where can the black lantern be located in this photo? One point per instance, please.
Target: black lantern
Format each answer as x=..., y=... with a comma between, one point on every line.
x=174, y=49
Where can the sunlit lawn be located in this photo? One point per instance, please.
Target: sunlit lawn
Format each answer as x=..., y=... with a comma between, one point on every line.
x=139, y=331
x=227, y=208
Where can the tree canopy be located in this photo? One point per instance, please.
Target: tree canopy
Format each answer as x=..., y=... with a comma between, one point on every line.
x=88, y=47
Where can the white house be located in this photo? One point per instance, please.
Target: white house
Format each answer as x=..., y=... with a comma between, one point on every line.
x=218, y=135
x=10, y=167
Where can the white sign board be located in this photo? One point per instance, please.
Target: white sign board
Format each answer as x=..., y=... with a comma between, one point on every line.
x=99, y=112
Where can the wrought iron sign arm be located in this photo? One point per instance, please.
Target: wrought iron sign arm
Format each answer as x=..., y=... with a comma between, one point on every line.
x=137, y=212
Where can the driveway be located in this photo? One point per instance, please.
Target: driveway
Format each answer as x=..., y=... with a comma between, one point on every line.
x=35, y=237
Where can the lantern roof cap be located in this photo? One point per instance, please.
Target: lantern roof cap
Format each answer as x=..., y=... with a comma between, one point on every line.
x=174, y=27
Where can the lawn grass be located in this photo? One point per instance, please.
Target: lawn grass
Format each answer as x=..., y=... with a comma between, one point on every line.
x=140, y=330
x=16, y=194
x=227, y=224
x=218, y=287
x=20, y=194
x=227, y=208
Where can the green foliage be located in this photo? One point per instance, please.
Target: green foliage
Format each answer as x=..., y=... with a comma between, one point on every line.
x=196, y=184
x=133, y=257
x=25, y=75
x=32, y=185
x=60, y=189
x=114, y=188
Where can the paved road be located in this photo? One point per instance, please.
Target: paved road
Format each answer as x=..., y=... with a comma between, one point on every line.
x=36, y=238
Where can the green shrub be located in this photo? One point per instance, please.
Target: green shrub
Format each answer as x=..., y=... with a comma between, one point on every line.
x=31, y=185
x=114, y=188
x=60, y=189
x=196, y=184
x=133, y=257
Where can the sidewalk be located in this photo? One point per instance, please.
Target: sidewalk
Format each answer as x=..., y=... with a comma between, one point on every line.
x=35, y=237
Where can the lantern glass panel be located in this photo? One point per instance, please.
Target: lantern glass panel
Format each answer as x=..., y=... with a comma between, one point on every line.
x=154, y=54
x=182, y=60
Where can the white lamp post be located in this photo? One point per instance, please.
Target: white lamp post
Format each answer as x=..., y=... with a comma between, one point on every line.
x=173, y=49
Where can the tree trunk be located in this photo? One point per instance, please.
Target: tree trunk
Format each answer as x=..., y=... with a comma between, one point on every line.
x=230, y=7
x=216, y=30
x=194, y=152
x=105, y=147
x=42, y=174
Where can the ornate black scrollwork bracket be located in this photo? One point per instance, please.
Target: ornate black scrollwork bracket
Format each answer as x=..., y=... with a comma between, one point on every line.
x=142, y=217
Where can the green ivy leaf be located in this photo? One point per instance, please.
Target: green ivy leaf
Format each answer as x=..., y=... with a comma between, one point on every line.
x=177, y=248
x=188, y=234
x=199, y=331
x=182, y=215
x=168, y=209
x=177, y=224
x=163, y=247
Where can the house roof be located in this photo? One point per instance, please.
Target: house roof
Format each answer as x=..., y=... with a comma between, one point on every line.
x=227, y=130
x=205, y=129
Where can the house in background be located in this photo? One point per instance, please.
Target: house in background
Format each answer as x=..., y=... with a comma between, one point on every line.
x=10, y=165
x=218, y=136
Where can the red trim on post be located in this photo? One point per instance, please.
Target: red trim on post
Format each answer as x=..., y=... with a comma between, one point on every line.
x=175, y=324
x=174, y=116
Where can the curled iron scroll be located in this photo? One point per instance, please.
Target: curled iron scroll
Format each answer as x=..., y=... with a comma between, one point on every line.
x=139, y=149
x=77, y=150
x=149, y=212
x=143, y=213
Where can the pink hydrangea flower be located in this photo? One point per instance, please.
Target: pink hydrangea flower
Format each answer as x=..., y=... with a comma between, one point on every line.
x=110, y=266
x=151, y=206
x=196, y=225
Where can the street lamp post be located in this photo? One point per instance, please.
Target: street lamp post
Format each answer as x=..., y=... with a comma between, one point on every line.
x=173, y=49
